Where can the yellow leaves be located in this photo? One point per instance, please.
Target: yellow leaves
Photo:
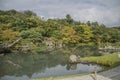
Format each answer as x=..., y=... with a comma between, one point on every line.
x=87, y=34
x=87, y=29
x=69, y=35
x=65, y=40
x=9, y=25
x=5, y=26
x=9, y=36
x=67, y=31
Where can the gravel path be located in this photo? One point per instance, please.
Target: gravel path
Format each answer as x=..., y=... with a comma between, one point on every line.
x=112, y=74
x=87, y=77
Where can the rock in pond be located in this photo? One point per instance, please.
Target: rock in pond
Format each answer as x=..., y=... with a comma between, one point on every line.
x=73, y=58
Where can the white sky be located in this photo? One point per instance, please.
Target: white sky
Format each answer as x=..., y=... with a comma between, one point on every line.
x=103, y=11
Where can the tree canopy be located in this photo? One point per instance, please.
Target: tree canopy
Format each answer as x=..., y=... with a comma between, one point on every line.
x=26, y=24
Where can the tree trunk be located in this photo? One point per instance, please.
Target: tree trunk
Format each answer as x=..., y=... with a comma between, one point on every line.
x=6, y=49
x=12, y=44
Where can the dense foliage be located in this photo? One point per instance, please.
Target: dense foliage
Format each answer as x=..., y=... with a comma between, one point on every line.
x=34, y=30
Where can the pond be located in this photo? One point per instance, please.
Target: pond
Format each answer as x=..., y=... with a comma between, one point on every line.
x=25, y=66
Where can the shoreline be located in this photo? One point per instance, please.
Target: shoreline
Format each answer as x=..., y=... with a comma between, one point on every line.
x=111, y=74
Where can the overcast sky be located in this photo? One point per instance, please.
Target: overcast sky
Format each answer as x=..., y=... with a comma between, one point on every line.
x=103, y=11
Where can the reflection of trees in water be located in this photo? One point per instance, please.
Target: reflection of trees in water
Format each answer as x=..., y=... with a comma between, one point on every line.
x=81, y=50
x=71, y=66
x=30, y=63
x=87, y=50
x=35, y=63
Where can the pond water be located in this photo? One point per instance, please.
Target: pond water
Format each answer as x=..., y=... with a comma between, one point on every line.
x=27, y=66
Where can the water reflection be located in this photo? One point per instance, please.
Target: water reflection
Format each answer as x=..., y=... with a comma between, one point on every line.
x=25, y=66
x=71, y=66
x=29, y=63
x=54, y=71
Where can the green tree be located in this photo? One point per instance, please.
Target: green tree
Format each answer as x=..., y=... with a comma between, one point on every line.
x=69, y=35
x=33, y=35
x=85, y=33
x=50, y=27
x=69, y=19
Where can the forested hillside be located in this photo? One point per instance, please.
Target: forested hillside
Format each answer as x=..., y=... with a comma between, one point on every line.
x=34, y=30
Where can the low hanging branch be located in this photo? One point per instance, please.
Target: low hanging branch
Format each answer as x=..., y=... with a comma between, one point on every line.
x=12, y=44
x=5, y=49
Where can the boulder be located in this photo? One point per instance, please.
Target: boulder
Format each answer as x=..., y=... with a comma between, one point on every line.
x=118, y=55
x=73, y=58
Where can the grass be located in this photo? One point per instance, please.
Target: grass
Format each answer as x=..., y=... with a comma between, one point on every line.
x=60, y=77
x=111, y=60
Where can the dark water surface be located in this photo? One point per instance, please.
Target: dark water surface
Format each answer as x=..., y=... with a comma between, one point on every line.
x=27, y=66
